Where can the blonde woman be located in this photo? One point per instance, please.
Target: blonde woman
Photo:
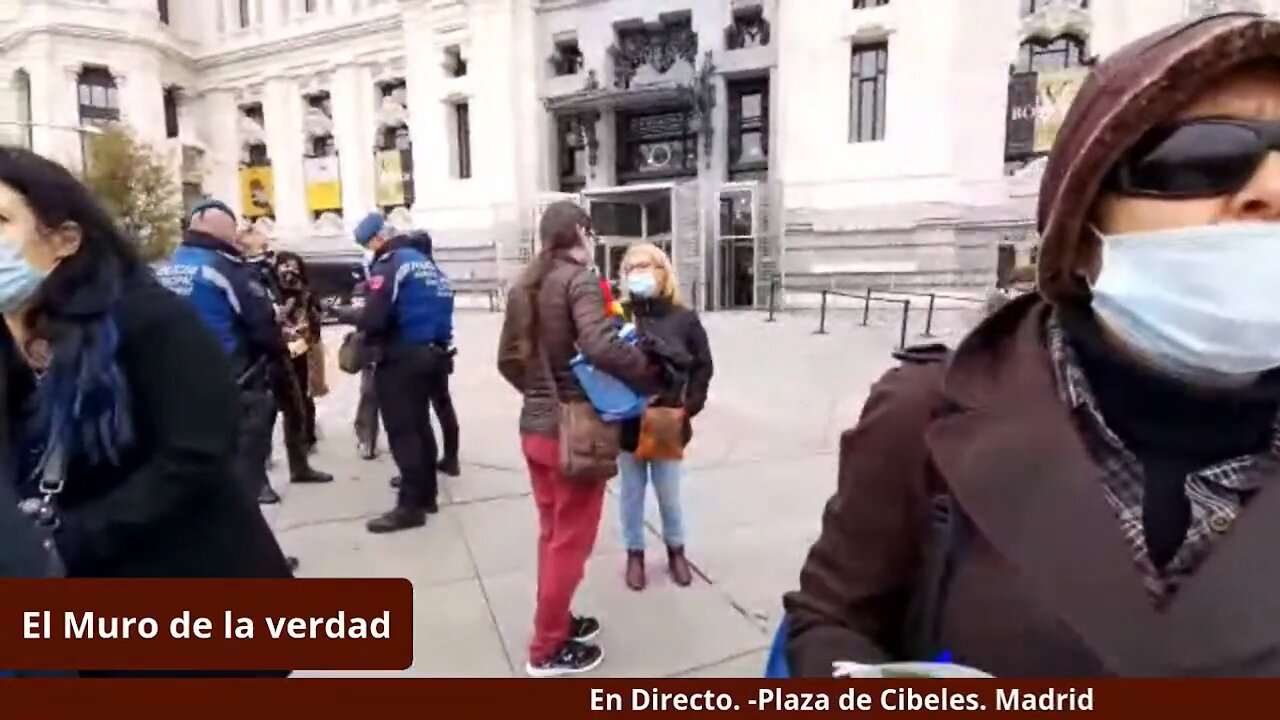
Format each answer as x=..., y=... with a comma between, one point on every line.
x=651, y=301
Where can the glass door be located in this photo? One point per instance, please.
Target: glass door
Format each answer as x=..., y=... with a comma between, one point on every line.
x=736, y=256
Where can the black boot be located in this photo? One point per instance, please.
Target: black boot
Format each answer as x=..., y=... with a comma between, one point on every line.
x=367, y=451
x=292, y=562
x=401, y=518
x=268, y=496
x=450, y=467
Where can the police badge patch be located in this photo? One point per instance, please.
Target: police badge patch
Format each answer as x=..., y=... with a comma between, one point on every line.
x=376, y=282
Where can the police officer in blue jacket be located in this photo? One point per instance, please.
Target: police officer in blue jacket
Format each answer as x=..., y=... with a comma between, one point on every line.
x=209, y=271
x=408, y=318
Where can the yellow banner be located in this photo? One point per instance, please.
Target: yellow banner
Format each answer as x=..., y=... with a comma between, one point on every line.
x=1055, y=91
x=257, y=192
x=390, y=179
x=324, y=187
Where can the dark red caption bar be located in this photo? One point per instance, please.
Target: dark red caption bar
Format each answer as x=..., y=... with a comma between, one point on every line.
x=163, y=624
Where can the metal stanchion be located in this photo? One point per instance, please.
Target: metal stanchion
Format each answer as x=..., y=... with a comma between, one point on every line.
x=773, y=298
x=928, y=323
x=822, y=316
x=866, y=309
x=902, y=335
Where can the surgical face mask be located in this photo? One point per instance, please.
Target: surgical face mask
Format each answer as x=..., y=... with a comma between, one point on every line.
x=642, y=284
x=18, y=279
x=1202, y=303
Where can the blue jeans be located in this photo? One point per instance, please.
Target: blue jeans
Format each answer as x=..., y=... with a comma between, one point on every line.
x=665, y=475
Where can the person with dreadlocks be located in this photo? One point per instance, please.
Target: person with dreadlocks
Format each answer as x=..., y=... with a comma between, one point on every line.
x=124, y=409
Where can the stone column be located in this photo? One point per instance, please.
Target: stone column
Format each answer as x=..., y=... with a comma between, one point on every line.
x=353, y=130
x=222, y=159
x=282, y=106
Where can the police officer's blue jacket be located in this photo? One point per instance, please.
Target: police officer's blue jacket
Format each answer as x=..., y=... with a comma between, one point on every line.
x=409, y=300
x=227, y=295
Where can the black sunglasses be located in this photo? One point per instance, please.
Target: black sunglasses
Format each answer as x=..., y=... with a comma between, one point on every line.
x=1195, y=159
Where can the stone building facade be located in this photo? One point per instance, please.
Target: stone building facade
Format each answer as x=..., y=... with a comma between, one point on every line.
x=826, y=143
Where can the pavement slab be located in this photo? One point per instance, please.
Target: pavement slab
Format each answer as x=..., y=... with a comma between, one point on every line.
x=761, y=466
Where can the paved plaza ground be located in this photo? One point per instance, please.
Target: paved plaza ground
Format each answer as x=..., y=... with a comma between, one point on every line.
x=761, y=465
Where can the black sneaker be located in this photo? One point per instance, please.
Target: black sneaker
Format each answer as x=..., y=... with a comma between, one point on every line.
x=367, y=451
x=572, y=658
x=268, y=496
x=395, y=481
x=583, y=628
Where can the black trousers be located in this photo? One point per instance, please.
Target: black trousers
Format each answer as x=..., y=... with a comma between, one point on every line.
x=257, y=419
x=405, y=380
x=366, y=423
x=289, y=388
x=442, y=402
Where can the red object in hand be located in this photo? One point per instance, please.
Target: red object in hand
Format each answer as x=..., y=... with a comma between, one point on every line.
x=608, y=295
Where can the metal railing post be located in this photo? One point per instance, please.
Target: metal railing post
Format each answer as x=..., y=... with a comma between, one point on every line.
x=902, y=335
x=866, y=309
x=822, y=316
x=928, y=323
x=773, y=298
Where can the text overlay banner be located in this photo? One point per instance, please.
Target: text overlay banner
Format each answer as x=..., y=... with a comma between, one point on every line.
x=155, y=624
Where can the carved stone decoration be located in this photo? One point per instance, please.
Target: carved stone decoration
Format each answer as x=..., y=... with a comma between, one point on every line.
x=317, y=122
x=1197, y=8
x=251, y=131
x=749, y=29
x=703, y=90
x=659, y=47
x=400, y=219
x=393, y=111
x=329, y=223
x=1059, y=17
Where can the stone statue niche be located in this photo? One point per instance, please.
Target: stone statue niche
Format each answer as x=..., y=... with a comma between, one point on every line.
x=317, y=124
x=393, y=110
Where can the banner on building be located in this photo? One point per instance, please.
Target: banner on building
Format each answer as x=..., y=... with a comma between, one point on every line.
x=1055, y=91
x=1038, y=103
x=324, y=186
x=257, y=192
x=390, y=179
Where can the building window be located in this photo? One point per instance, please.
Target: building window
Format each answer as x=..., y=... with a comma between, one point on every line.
x=462, y=140
x=660, y=144
x=1030, y=6
x=309, y=6
x=868, y=85
x=1060, y=53
x=454, y=63
x=244, y=13
x=749, y=29
x=572, y=154
x=99, y=99
x=567, y=59
x=162, y=7
x=22, y=90
x=864, y=4
x=171, y=97
x=255, y=153
x=748, y=126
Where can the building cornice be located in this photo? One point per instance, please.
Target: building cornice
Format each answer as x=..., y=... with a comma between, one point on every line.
x=165, y=45
x=272, y=48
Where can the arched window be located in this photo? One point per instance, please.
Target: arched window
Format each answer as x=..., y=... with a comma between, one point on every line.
x=99, y=99
x=1060, y=53
x=22, y=99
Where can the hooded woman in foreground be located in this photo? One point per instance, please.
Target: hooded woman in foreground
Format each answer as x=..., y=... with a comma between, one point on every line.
x=1110, y=442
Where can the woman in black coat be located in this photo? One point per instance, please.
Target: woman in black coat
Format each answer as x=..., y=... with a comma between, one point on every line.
x=121, y=408
x=673, y=332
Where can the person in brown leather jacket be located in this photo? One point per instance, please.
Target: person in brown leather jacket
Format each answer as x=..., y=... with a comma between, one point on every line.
x=555, y=311
x=1109, y=445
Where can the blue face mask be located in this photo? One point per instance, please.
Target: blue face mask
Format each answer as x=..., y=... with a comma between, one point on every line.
x=642, y=284
x=18, y=280
x=1198, y=302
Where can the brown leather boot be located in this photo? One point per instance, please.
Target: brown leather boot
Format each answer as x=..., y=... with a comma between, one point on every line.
x=635, y=570
x=681, y=573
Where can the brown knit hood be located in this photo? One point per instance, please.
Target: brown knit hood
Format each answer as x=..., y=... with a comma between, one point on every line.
x=1138, y=87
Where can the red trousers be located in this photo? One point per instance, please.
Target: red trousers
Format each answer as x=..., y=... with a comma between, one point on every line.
x=568, y=521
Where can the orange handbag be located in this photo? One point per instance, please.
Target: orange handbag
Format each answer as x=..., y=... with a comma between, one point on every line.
x=661, y=434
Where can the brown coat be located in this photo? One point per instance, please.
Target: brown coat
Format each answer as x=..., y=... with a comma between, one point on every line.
x=571, y=318
x=1047, y=585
